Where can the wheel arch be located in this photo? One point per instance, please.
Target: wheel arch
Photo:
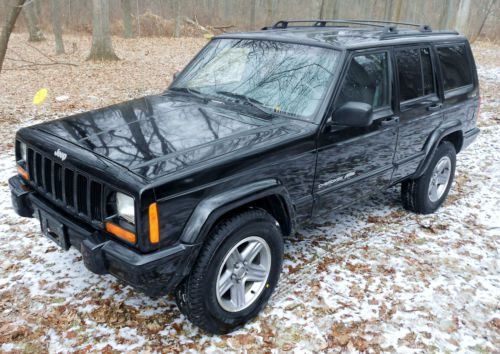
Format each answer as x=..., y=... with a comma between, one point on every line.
x=451, y=132
x=269, y=195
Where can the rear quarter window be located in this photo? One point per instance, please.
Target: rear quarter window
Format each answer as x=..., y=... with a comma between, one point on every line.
x=455, y=66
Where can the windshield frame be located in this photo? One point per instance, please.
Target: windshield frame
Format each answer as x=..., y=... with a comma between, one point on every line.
x=317, y=115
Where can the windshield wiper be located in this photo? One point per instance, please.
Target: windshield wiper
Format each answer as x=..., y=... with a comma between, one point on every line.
x=251, y=101
x=191, y=91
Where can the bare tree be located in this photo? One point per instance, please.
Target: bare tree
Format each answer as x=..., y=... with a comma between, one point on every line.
x=177, y=28
x=488, y=12
x=269, y=12
x=252, y=13
x=35, y=32
x=56, y=25
x=127, y=18
x=102, y=48
x=10, y=21
x=329, y=9
x=396, y=11
x=463, y=20
x=447, y=20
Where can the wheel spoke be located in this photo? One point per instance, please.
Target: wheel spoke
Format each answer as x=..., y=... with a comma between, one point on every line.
x=256, y=272
x=433, y=193
x=234, y=258
x=238, y=294
x=225, y=283
x=443, y=178
x=441, y=166
x=251, y=251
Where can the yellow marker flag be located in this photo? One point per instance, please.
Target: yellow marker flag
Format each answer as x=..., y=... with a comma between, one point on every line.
x=208, y=35
x=40, y=96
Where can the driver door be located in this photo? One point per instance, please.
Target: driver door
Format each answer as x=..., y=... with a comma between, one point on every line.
x=354, y=162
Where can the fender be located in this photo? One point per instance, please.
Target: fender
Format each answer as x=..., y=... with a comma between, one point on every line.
x=209, y=210
x=433, y=142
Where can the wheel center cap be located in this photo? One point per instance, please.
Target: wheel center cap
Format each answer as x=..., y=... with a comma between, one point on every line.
x=239, y=271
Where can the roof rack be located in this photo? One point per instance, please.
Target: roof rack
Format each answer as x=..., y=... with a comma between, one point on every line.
x=389, y=28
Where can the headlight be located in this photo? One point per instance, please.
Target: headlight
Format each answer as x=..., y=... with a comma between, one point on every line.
x=125, y=207
x=22, y=150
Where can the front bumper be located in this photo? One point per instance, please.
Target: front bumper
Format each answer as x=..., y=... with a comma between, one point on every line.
x=155, y=273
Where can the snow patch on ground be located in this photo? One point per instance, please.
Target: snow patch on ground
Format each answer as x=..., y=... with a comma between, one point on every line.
x=372, y=276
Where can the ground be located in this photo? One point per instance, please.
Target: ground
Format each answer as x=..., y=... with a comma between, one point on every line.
x=370, y=278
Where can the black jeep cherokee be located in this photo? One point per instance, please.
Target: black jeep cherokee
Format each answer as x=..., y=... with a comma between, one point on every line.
x=195, y=188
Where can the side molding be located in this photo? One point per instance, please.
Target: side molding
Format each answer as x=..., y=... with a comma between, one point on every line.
x=210, y=209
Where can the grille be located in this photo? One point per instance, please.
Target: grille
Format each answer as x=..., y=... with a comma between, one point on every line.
x=65, y=186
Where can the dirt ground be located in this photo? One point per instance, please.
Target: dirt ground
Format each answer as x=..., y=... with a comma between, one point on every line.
x=370, y=278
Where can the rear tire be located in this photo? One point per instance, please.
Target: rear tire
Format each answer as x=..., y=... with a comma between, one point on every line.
x=235, y=274
x=427, y=193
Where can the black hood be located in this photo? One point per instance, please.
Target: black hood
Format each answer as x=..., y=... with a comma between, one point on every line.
x=156, y=135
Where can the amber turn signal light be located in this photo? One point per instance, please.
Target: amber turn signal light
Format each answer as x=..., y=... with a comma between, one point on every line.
x=120, y=232
x=22, y=172
x=154, y=229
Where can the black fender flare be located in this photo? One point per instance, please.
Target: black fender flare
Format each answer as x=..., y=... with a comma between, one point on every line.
x=209, y=210
x=433, y=142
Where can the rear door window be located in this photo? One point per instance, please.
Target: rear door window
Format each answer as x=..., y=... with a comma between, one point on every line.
x=415, y=72
x=455, y=66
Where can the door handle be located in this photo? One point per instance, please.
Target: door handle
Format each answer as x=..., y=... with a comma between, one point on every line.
x=389, y=121
x=434, y=107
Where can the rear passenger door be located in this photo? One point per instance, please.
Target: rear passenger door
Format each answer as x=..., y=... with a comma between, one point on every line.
x=420, y=108
x=459, y=84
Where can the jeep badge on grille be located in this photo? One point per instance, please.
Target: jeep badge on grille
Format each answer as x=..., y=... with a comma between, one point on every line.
x=60, y=154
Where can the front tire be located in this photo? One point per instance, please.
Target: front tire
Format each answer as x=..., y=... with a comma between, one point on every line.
x=235, y=274
x=427, y=193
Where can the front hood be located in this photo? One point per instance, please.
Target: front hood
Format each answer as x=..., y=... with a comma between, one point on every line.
x=156, y=135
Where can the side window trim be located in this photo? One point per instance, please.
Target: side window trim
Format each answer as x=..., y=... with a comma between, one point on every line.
x=405, y=105
x=458, y=91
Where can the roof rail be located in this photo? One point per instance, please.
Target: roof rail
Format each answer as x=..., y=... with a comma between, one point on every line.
x=283, y=24
x=389, y=28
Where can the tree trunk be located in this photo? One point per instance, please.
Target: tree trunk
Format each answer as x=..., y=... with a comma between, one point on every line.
x=56, y=25
x=485, y=18
x=36, y=34
x=252, y=14
x=127, y=18
x=177, y=29
x=102, y=48
x=269, y=12
x=463, y=20
x=388, y=10
x=14, y=8
x=396, y=15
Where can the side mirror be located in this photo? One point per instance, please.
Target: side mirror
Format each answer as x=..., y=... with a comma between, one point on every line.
x=354, y=114
x=175, y=75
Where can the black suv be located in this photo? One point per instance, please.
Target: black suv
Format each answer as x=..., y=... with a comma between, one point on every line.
x=193, y=190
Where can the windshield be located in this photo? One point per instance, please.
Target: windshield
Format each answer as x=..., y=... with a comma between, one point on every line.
x=274, y=77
